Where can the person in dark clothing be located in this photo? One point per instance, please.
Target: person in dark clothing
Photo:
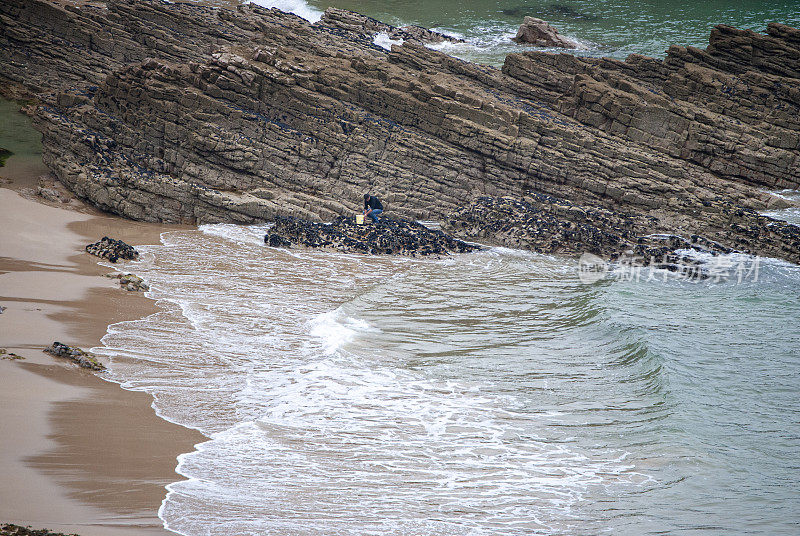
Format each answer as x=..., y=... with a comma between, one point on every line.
x=372, y=207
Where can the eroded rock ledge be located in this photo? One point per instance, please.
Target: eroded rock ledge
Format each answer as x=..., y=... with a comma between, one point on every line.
x=183, y=113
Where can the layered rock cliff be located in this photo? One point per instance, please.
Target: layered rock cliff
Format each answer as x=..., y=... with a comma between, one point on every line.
x=176, y=112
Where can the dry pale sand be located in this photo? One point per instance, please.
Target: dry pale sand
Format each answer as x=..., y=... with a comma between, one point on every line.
x=77, y=454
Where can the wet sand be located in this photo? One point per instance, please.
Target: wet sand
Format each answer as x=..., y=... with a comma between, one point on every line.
x=77, y=453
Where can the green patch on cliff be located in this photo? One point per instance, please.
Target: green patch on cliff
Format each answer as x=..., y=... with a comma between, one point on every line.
x=20, y=145
x=4, y=153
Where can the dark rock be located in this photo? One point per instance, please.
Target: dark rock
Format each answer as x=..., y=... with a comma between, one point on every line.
x=276, y=241
x=546, y=224
x=387, y=237
x=113, y=250
x=9, y=529
x=83, y=359
x=539, y=33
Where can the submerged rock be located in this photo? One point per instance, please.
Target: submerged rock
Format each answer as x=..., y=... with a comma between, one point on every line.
x=388, y=237
x=130, y=282
x=113, y=250
x=82, y=358
x=539, y=33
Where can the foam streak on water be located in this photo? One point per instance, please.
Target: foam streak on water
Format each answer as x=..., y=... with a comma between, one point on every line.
x=488, y=393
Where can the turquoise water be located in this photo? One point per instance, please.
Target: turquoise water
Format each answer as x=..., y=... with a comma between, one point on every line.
x=613, y=28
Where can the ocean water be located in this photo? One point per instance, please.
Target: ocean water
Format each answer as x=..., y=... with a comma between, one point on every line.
x=491, y=393
x=613, y=28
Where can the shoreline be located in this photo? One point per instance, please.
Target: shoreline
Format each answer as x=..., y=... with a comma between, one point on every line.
x=80, y=454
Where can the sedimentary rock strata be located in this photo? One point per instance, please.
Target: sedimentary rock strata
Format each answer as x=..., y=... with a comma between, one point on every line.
x=182, y=113
x=387, y=237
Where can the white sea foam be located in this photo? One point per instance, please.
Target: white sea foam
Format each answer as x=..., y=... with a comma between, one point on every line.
x=298, y=7
x=251, y=234
x=383, y=40
x=322, y=422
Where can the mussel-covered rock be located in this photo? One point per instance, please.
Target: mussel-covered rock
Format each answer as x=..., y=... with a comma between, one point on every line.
x=387, y=237
x=546, y=224
x=113, y=250
x=276, y=241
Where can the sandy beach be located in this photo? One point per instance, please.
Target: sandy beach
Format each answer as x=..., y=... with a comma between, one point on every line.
x=78, y=454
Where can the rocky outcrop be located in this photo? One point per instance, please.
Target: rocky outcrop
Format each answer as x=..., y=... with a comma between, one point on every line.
x=81, y=358
x=113, y=250
x=11, y=356
x=130, y=282
x=387, y=237
x=547, y=224
x=9, y=529
x=51, y=190
x=539, y=33
x=361, y=26
x=182, y=113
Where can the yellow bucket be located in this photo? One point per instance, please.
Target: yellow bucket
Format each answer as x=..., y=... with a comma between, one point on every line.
x=360, y=219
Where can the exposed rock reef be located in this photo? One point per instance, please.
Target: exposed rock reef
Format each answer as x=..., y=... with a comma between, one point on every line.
x=113, y=250
x=387, y=237
x=81, y=358
x=183, y=113
x=539, y=33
